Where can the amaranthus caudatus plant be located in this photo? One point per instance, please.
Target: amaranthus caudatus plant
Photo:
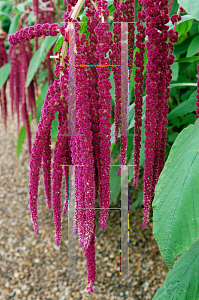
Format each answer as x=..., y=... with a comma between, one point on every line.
x=84, y=140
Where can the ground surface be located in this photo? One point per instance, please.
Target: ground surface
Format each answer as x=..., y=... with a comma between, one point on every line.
x=33, y=267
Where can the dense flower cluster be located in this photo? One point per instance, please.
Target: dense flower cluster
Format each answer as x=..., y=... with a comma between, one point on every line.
x=31, y=32
x=116, y=66
x=103, y=46
x=130, y=12
x=157, y=82
x=3, y=99
x=21, y=96
x=139, y=78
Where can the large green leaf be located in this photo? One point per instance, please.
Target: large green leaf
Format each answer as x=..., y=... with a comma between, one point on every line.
x=182, y=282
x=176, y=202
x=184, y=107
x=33, y=67
x=4, y=73
x=191, y=7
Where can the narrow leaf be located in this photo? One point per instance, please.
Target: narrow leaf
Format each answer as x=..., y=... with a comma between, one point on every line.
x=33, y=67
x=46, y=45
x=4, y=73
x=14, y=24
x=21, y=139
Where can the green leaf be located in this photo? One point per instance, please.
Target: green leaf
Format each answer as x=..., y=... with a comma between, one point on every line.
x=138, y=201
x=83, y=29
x=54, y=130
x=4, y=14
x=175, y=70
x=46, y=45
x=111, y=9
x=193, y=47
x=180, y=28
x=182, y=281
x=59, y=43
x=39, y=108
x=38, y=99
x=112, y=90
x=44, y=90
x=182, y=84
x=176, y=202
x=3, y=5
x=184, y=26
x=131, y=168
x=188, y=59
x=83, y=14
x=115, y=183
x=191, y=7
x=33, y=67
x=21, y=139
x=184, y=107
x=42, y=76
x=14, y=24
x=41, y=99
x=4, y=73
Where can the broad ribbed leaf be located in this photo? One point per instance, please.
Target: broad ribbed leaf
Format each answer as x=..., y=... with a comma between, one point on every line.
x=182, y=282
x=176, y=202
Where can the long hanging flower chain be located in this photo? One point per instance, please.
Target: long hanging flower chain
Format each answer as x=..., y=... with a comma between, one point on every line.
x=139, y=78
x=88, y=149
x=103, y=47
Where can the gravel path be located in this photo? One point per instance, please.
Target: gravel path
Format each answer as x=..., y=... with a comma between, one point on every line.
x=33, y=267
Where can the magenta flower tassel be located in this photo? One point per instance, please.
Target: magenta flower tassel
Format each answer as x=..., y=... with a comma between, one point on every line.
x=105, y=114
x=90, y=263
x=139, y=63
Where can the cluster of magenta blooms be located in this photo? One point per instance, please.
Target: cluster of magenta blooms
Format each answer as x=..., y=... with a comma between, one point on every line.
x=89, y=148
x=24, y=99
x=3, y=99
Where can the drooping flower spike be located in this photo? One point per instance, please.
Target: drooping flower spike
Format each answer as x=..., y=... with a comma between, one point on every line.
x=139, y=78
x=3, y=98
x=31, y=32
